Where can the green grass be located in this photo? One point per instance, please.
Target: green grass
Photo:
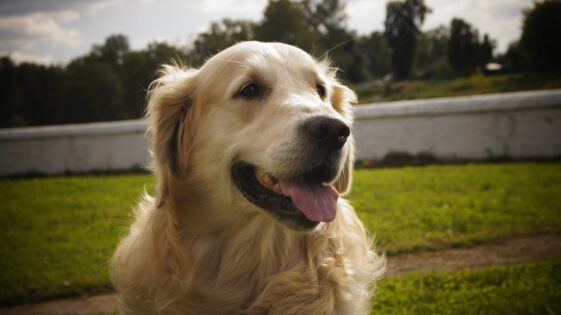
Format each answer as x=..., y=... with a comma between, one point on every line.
x=527, y=289
x=442, y=206
x=57, y=234
x=475, y=84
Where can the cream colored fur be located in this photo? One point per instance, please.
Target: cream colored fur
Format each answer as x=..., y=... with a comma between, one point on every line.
x=198, y=247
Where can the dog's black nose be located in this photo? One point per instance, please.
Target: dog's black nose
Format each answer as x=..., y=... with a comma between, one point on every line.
x=329, y=133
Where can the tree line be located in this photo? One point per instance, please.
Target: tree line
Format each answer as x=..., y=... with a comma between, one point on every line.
x=110, y=82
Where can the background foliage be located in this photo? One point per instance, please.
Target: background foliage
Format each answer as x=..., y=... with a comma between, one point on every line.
x=110, y=82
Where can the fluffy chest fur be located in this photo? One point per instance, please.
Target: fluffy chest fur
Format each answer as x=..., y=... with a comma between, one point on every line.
x=265, y=270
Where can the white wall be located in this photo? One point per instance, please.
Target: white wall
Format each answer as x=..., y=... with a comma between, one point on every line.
x=108, y=146
x=515, y=125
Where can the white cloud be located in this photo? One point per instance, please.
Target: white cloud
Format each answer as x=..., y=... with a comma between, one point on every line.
x=366, y=16
x=96, y=6
x=240, y=9
x=67, y=28
x=20, y=56
x=65, y=16
x=40, y=27
x=501, y=19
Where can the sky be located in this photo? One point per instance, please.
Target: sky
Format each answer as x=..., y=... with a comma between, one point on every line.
x=56, y=31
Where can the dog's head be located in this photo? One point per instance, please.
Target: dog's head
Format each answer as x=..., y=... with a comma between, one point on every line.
x=259, y=127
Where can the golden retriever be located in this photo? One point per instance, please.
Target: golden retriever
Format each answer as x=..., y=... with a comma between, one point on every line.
x=251, y=153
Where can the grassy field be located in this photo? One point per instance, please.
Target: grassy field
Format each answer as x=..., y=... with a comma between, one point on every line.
x=521, y=289
x=57, y=234
x=443, y=206
x=475, y=84
x=525, y=289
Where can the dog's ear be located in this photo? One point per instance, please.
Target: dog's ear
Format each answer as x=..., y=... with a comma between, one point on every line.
x=171, y=124
x=342, y=99
x=345, y=180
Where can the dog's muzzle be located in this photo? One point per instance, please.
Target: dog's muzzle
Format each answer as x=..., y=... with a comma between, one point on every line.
x=305, y=199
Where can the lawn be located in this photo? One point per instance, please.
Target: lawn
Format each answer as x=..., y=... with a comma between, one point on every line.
x=473, y=85
x=57, y=234
x=443, y=206
x=525, y=289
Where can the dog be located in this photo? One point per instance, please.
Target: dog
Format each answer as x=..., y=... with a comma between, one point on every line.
x=251, y=152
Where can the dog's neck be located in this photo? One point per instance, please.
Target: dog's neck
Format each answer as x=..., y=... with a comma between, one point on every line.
x=234, y=262
x=252, y=247
x=221, y=241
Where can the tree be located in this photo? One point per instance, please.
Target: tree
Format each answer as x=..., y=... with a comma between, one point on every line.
x=30, y=94
x=9, y=92
x=402, y=24
x=285, y=21
x=109, y=83
x=93, y=84
x=113, y=50
x=220, y=36
x=431, y=53
x=140, y=68
x=540, y=35
x=376, y=54
x=92, y=91
x=466, y=52
x=324, y=15
x=463, y=46
x=327, y=20
x=512, y=59
x=40, y=100
x=486, y=50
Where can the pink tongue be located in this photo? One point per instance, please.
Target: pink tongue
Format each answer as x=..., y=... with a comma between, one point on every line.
x=315, y=201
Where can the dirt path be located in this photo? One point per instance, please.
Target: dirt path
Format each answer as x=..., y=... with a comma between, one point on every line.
x=512, y=251
x=89, y=305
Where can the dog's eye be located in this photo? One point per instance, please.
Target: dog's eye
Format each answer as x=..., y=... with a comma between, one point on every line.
x=250, y=90
x=321, y=90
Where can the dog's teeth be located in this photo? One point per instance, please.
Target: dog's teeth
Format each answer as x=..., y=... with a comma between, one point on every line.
x=264, y=179
x=277, y=188
x=268, y=181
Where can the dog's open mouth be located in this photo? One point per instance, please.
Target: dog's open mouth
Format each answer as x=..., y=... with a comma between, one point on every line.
x=302, y=201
